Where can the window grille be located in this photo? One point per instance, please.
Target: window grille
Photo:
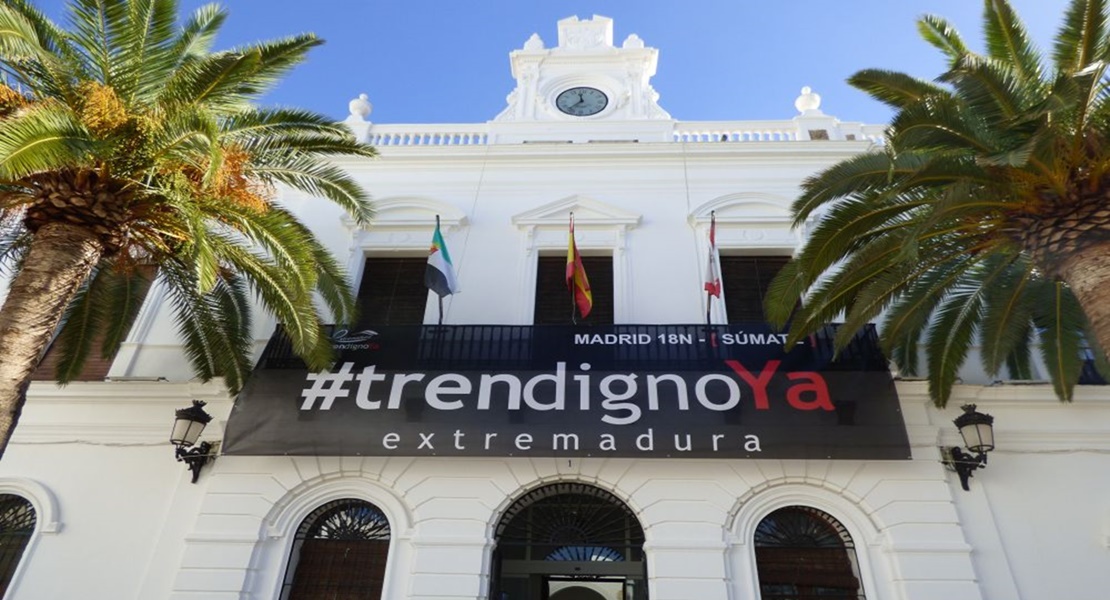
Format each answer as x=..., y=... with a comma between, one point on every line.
x=17, y=523
x=339, y=553
x=805, y=554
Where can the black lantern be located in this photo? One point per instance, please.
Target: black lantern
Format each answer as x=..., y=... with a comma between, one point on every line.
x=187, y=427
x=977, y=430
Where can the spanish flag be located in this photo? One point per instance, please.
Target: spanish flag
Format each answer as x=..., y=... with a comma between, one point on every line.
x=577, y=282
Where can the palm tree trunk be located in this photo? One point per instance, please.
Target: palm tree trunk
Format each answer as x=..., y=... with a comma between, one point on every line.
x=1087, y=272
x=61, y=257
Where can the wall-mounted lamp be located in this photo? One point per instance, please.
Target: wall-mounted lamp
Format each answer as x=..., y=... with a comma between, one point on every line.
x=977, y=430
x=187, y=427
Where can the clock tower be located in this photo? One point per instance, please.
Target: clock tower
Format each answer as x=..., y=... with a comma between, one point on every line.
x=585, y=89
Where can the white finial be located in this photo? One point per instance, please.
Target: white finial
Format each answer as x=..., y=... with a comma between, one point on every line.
x=633, y=41
x=808, y=102
x=360, y=107
x=534, y=43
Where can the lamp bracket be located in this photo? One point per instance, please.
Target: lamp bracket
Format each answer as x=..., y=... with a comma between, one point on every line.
x=964, y=464
x=197, y=456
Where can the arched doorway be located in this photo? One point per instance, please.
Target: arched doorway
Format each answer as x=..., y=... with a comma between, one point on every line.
x=566, y=541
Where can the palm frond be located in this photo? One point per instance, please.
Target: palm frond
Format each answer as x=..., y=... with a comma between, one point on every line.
x=94, y=22
x=104, y=310
x=276, y=58
x=129, y=290
x=942, y=35
x=42, y=138
x=893, y=88
x=198, y=33
x=859, y=175
x=1008, y=313
x=256, y=123
x=949, y=339
x=37, y=51
x=292, y=306
x=318, y=178
x=1009, y=42
x=1019, y=364
x=1081, y=38
x=334, y=286
x=54, y=65
x=215, y=326
x=220, y=81
x=146, y=37
x=1060, y=322
x=81, y=323
x=994, y=91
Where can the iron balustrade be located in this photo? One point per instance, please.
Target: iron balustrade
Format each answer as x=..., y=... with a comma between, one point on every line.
x=526, y=347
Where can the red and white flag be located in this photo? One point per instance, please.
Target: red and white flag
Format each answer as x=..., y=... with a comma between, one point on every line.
x=712, y=273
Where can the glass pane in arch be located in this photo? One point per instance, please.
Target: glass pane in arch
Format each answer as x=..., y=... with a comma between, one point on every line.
x=339, y=553
x=17, y=523
x=564, y=536
x=803, y=553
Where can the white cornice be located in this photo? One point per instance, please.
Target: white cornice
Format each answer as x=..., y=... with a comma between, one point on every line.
x=126, y=392
x=820, y=152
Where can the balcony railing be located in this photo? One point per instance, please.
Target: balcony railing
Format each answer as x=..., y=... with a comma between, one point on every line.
x=526, y=347
x=714, y=132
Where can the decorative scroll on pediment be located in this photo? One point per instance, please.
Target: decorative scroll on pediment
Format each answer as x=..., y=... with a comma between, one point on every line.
x=748, y=220
x=590, y=33
x=411, y=212
x=597, y=225
x=405, y=222
x=587, y=211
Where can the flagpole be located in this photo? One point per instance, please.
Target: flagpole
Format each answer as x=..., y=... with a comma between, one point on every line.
x=437, y=295
x=573, y=312
x=712, y=248
x=708, y=307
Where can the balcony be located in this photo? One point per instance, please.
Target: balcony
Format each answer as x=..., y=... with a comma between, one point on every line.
x=615, y=347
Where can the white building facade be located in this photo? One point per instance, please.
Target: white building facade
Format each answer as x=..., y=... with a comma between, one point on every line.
x=115, y=517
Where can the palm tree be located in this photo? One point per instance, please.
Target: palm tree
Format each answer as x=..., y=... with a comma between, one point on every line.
x=129, y=150
x=986, y=215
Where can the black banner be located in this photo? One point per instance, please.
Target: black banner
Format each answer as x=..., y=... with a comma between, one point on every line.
x=651, y=391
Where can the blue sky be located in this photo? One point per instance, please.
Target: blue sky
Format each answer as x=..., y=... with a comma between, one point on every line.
x=446, y=61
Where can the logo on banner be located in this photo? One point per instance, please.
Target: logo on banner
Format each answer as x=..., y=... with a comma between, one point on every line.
x=345, y=339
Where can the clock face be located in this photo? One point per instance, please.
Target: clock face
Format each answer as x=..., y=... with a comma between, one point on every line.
x=582, y=101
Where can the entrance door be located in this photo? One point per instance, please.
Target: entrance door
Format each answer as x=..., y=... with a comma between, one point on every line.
x=569, y=541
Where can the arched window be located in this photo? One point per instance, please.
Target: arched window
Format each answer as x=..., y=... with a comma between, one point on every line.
x=17, y=523
x=339, y=553
x=805, y=554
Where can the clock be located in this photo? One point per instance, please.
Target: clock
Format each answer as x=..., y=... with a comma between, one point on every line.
x=582, y=101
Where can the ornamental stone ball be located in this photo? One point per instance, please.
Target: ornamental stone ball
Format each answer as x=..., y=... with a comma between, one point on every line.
x=808, y=101
x=360, y=107
x=633, y=41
